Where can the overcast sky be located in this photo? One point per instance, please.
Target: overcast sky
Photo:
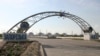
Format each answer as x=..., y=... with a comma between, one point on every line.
x=12, y=11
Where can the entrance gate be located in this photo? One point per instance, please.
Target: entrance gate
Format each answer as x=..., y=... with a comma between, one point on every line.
x=24, y=25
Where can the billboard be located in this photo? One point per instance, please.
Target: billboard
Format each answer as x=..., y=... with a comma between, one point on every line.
x=15, y=36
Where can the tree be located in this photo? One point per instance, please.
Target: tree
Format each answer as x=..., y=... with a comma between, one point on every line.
x=49, y=34
x=57, y=34
x=63, y=34
x=41, y=34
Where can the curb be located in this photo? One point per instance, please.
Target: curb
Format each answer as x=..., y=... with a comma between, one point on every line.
x=42, y=50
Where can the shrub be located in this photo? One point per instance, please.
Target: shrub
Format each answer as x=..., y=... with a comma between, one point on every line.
x=0, y=36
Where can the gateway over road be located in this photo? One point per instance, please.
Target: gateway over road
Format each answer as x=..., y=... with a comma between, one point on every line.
x=24, y=25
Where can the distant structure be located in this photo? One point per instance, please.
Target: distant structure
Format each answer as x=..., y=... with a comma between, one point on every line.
x=30, y=34
x=24, y=25
x=41, y=34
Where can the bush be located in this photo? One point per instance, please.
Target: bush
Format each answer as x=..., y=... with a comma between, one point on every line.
x=52, y=37
x=0, y=36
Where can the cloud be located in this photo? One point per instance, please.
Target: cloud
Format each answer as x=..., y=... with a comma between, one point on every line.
x=97, y=28
x=77, y=1
x=87, y=3
x=12, y=1
x=23, y=3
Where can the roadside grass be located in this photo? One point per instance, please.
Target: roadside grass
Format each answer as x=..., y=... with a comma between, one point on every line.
x=97, y=40
x=77, y=39
x=0, y=37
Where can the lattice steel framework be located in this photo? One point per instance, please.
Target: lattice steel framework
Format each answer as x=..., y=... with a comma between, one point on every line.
x=33, y=19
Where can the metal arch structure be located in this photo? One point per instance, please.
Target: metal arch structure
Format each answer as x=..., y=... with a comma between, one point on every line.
x=33, y=19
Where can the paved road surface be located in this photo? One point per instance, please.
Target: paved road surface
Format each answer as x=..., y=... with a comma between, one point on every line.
x=68, y=47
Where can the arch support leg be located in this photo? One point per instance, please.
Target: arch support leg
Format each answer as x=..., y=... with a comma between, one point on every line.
x=90, y=36
x=87, y=36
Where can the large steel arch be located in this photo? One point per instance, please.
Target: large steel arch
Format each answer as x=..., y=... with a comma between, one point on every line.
x=33, y=19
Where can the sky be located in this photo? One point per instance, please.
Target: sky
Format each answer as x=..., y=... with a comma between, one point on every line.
x=12, y=11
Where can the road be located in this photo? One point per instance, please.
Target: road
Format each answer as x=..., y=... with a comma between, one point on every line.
x=68, y=47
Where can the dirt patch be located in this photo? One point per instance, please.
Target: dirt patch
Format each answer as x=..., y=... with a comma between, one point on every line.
x=21, y=48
